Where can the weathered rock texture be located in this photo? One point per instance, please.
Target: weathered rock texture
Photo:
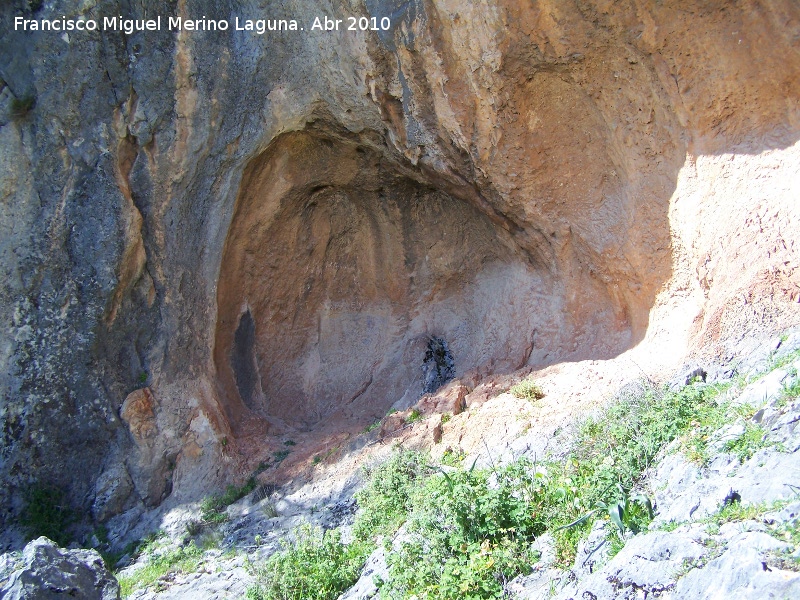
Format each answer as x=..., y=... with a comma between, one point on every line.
x=47, y=571
x=265, y=231
x=696, y=557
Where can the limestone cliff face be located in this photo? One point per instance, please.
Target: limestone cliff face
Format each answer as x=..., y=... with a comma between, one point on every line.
x=243, y=233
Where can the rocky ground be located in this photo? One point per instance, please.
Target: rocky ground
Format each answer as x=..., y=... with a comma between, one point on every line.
x=724, y=527
x=699, y=546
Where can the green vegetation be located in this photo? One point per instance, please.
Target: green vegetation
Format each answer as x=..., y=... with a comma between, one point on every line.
x=527, y=389
x=780, y=361
x=414, y=416
x=47, y=513
x=789, y=532
x=468, y=530
x=280, y=455
x=734, y=511
x=160, y=563
x=609, y=458
x=132, y=549
x=712, y=417
x=453, y=458
x=670, y=526
x=372, y=426
x=748, y=443
x=325, y=455
x=22, y=106
x=469, y=533
x=161, y=559
x=386, y=499
x=315, y=564
x=789, y=393
x=213, y=507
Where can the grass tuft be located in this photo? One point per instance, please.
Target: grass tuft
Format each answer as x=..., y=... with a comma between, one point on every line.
x=527, y=389
x=158, y=565
x=413, y=416
x=213, y=507
x=22, y=106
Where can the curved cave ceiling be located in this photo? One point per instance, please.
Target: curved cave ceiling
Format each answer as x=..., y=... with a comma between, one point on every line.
x=343, y=269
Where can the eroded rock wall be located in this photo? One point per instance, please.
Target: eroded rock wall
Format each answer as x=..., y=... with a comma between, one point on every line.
x=339, y=270
x=600, y=154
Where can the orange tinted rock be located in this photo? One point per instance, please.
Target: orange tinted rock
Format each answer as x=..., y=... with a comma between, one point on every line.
x=450, y=399
x=138, y=411
x=436, y=428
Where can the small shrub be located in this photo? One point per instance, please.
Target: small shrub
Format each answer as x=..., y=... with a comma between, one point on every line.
x=280, y=455
x=22, y=106
x=234, y=493
x=289, y=443
x=413, y=416
x=47, y=513
x=469, y=533
x=213, y=507
x=315, y=564
x=670, y=526
x=385, y=500
x=211, y=511
x=101, y=533
x=372, y=426
x=453, y=458
x=527, y=389
x=751, y=441
x=789, y=393
x=270, y=510
x=194, y=527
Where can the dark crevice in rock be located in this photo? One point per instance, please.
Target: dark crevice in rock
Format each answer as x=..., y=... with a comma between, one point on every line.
x=243, y=359
x=438, y=367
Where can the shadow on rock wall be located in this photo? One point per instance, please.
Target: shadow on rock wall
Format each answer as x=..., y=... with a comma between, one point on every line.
x=270, y=229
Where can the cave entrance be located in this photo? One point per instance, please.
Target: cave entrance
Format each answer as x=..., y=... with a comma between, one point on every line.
x=347, y=286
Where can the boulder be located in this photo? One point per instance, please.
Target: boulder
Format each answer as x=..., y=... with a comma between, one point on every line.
x=50, y=572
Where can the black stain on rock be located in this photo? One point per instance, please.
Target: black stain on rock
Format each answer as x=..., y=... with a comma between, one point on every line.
x=243, y=359
x=438, y=367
